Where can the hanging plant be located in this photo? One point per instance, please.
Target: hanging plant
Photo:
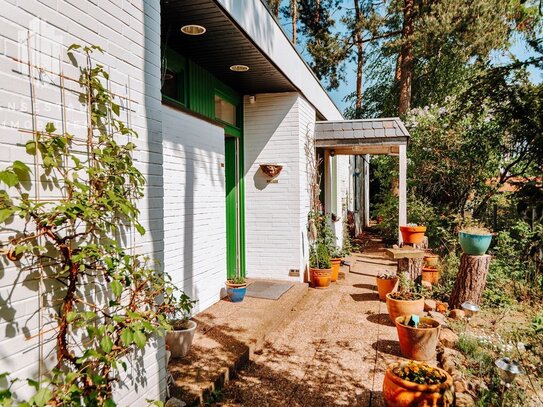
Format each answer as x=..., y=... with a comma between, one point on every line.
x=108, y=302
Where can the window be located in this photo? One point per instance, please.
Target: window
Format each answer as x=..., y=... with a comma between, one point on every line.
x=173, y=86
x=225, y=111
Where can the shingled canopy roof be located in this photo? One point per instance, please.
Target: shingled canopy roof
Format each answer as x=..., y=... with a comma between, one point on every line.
x=364, y=136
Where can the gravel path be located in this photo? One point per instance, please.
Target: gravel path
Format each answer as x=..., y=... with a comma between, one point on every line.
x=332, y=350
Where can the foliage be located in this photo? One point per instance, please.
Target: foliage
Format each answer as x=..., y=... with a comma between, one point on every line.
x=420, y=373
x=319, y=257
x=104, y=296
x=407, y=289
x=237, y=280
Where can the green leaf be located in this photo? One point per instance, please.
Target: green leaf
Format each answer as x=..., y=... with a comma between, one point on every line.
x=71, y=316
x=9, y=178
x=106, y=344
x=109, y=403
x=5, y=214
x=140, y=229
x=116, y=287
x=31, y=147
x=116, y=108
x=74, y=46
x=127, y=337
x=50, y=127
x=42, y=397
x=140, y=339
x=5, y=396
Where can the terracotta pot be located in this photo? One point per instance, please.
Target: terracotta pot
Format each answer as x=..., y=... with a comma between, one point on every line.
x=430, y=274
x=397, y=308
x=431, y=260
x=418, y=343
x=385, y=286
x=320, y=277
x=401, y=393
x=412, y=234
x=335, y=269
x=179, y=341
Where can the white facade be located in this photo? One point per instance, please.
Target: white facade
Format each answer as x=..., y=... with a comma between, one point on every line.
x=181, y=156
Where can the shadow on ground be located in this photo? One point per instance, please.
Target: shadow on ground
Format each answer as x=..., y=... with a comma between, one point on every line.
x=381, y=319
x=387, y=346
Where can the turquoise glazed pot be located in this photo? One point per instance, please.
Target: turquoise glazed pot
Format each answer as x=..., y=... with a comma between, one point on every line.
x=236, y=294
x=475, y=245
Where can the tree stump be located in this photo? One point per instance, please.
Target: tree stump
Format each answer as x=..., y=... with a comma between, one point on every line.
x=470, y=281
x=413, y=268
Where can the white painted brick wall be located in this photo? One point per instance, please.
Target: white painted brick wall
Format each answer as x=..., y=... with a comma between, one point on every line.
x=194, y=206
x=129, y=33
x=276, y=213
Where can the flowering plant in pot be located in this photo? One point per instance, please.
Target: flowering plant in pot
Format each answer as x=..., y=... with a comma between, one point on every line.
x=475, y=240
x=179, y=339
x=408, y=300
x=386, y=283
x=236, y=288
x=417, y=384
x=418, y=336
x=320, y=266
x=412, y=233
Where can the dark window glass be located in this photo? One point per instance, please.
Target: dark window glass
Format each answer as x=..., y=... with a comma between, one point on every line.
x=174, y=86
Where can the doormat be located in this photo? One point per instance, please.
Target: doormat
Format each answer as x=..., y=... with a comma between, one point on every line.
x=267, y=289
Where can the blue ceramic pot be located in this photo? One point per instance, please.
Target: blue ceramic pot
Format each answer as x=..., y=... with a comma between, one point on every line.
x=236, y=294
x=475, y=245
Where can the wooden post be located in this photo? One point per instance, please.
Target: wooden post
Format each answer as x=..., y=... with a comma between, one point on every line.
x=402, y=190
x=470, y=281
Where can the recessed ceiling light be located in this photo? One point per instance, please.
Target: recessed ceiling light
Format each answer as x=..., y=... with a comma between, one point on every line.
x=239, y=68
x=193, y=29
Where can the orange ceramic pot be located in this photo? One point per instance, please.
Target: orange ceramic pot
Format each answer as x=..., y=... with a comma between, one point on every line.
x=320, y=277
x=397, y=308
x=418, y=343
x=431, y=260
x=413, y=234
x=385, y=286
x=402, y=393
x=335, y=269
x=430, y=274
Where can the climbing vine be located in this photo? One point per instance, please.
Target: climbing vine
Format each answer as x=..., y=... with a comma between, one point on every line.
x=108, y=302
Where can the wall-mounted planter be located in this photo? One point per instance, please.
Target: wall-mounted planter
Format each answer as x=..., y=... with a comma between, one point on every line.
x=271, y=170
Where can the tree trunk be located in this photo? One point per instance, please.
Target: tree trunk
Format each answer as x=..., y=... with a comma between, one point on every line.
x=406, y=58
x=470, y=281
x=359, y=62
x=413, y=268
x=294, y=9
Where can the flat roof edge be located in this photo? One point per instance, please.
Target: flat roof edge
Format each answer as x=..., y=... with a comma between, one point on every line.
x=255, y=19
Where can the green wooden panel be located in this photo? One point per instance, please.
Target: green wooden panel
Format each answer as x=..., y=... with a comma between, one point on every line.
x=231, y=206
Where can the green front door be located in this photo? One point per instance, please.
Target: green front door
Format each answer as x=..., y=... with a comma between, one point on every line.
x=234, y=209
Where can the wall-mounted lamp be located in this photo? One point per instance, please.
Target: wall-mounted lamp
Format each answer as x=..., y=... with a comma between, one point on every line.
x=252, y=99
x=332, y=153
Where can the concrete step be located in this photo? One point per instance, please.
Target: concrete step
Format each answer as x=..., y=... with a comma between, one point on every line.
x=227, y=336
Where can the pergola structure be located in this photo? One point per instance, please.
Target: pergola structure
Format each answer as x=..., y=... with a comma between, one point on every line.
x=368, y=137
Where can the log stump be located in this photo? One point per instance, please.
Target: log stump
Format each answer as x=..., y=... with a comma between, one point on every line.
x=413, y=268
x=470, y=281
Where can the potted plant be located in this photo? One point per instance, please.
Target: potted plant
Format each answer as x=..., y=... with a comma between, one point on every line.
x=179, y=339
x=406, y=301
x=320, y=266
x=412, y=233
x=431, y=260
x=475, y=240
x=418, y=337
x=335, y=261
x=417, y=384
x=236, y=288
x=386, y=283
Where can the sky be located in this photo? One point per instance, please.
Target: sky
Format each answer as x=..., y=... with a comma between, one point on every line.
x=519, y=50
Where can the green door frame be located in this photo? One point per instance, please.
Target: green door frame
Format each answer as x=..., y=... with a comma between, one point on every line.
x=235, y=202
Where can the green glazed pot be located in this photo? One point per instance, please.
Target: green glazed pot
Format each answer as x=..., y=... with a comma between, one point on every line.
x=475, y=245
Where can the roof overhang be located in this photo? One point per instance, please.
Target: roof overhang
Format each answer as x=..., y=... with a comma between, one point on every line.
x=364, y=136
x=244, y=32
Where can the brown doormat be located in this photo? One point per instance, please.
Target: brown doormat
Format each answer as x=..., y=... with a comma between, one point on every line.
x=268, y=290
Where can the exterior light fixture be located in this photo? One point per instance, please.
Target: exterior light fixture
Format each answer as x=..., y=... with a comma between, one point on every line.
x=252, y=99
x=508, y=369
x=193, y=29
x=332, y=153
x=239, y=68
x=470, y=309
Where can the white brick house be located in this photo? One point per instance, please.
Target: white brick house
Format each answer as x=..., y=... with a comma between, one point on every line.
x=204, y=130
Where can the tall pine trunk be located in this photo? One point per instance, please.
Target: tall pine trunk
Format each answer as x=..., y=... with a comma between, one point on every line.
x=294, y=10
x=406, y=58
x=359, y=62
